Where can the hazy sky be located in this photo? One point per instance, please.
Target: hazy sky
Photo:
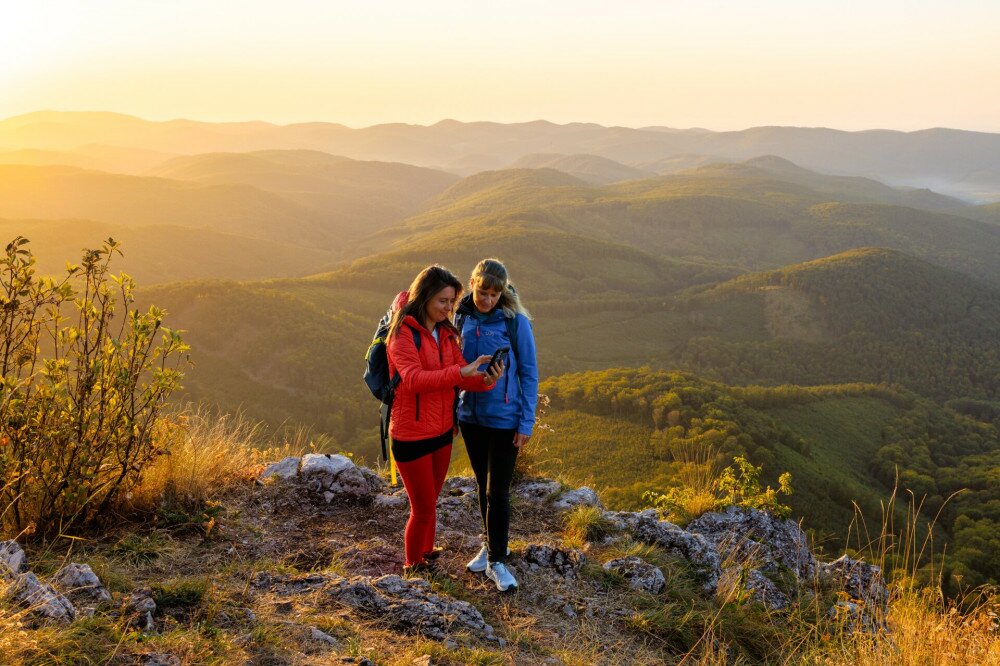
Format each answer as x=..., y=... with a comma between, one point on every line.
x=721, y=65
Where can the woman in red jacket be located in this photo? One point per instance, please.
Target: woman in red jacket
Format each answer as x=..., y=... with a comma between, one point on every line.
x=422, y=423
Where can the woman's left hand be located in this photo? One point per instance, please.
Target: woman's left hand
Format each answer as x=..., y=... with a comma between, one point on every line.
x=520, y=440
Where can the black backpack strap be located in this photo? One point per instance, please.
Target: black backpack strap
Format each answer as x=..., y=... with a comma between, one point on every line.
x=512, y=327
x=385, y=410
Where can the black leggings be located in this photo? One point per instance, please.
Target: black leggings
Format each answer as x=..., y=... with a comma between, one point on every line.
x=492, y=454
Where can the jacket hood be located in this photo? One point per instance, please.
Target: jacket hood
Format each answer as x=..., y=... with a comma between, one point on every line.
x=468, y=307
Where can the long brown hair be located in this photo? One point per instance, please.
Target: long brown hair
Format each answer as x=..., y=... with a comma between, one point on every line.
x=492, y=274
x=425, y=286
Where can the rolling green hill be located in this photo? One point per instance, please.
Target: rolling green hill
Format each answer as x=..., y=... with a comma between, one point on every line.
x=157, y=254
x=869, y=315
x=592, y=169
x=113, y=159
x=732, y=214
x=54, y=192
x=362, y=196
x=842, y=444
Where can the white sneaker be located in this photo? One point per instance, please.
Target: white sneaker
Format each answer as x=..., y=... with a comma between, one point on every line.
x=478, y=563
x=499, y=574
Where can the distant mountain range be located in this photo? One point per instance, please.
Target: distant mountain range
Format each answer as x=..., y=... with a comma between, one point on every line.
x=953, y=162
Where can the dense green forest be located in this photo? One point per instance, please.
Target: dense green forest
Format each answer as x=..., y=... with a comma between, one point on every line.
x=843, y=444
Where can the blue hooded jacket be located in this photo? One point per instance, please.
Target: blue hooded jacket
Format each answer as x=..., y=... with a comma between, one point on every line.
x=511, y=405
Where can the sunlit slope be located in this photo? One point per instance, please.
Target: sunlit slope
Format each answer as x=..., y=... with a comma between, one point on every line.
x=621, y=416
x=113, y=159
x=626, y=431
x=733, y=214
x=871, y=314
x=273, y=355
x=370, y=194
x=987, y=213
x=52, y=192
x=166, y=253
x=854, y=189
x=592, y=169
x=568, y=281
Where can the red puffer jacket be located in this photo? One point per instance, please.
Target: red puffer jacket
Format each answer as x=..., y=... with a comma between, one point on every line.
x=425, y=398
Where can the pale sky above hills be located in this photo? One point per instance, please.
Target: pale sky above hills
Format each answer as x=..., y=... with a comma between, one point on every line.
x=717, y=64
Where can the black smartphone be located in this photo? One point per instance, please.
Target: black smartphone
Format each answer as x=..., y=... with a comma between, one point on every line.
x=498, y=359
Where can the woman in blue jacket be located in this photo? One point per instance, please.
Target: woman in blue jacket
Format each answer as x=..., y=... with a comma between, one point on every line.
x=495, y=425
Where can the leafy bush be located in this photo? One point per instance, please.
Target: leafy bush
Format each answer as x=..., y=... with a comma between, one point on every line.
x=84, y=376
x=737, y=485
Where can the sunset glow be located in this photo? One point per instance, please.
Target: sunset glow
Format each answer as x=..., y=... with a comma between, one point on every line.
x=711, y=64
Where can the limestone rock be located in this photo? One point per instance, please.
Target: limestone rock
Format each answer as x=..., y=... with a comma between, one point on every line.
x=646, y=526
x=564, y=562
x=160, y=659
x=394, y=500
x=758, y=538
x=640, y=574
x=410, y=605
x=859, y=579
x=41, y=599
x=323, y=637
x=536, y=490
x=854, y=618
x=461, y=485
x=339, y=475
x=407, y=605
x=285, y=469
x=864, y=583
x=754, y=583
x=577, y=497
x=81, y=585
x=12, y=560
x=139, y=608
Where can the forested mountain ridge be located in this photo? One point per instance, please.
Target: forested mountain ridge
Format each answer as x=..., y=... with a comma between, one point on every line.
x=734, y=214
x=954, y=162
x=870, y=315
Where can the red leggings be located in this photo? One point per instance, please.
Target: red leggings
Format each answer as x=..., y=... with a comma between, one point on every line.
x=423, y=479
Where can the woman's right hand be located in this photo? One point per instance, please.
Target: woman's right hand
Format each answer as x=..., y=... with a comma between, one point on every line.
x=472, y=370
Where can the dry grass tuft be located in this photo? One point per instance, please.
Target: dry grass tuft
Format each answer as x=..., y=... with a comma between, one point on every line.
x=207, y=452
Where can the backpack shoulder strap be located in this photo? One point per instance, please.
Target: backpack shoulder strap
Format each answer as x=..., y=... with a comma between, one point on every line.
x=512, y=326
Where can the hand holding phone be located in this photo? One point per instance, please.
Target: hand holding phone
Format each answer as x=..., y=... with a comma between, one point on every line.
x=498, y=360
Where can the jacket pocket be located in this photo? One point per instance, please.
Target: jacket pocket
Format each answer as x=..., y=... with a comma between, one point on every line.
x=417, y=417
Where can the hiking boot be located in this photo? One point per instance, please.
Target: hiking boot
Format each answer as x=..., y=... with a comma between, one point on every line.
x=421, y=569
x=501, y=575
x=434, y=554
x=478, y=563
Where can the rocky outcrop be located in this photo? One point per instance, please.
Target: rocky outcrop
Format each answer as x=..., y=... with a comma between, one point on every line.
x=41, y=599
x=741, y=582
x=285, y=469
x=75, y=588
x=571, y=499
x=539, y=491
x=639, y=574
x=565, y=562
x=868, y=605
x=12, y=560
x=407, y=605
x=327, y=476
x=744, y=536
x=81, y=586
x=139, y=607
x=646, y=526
